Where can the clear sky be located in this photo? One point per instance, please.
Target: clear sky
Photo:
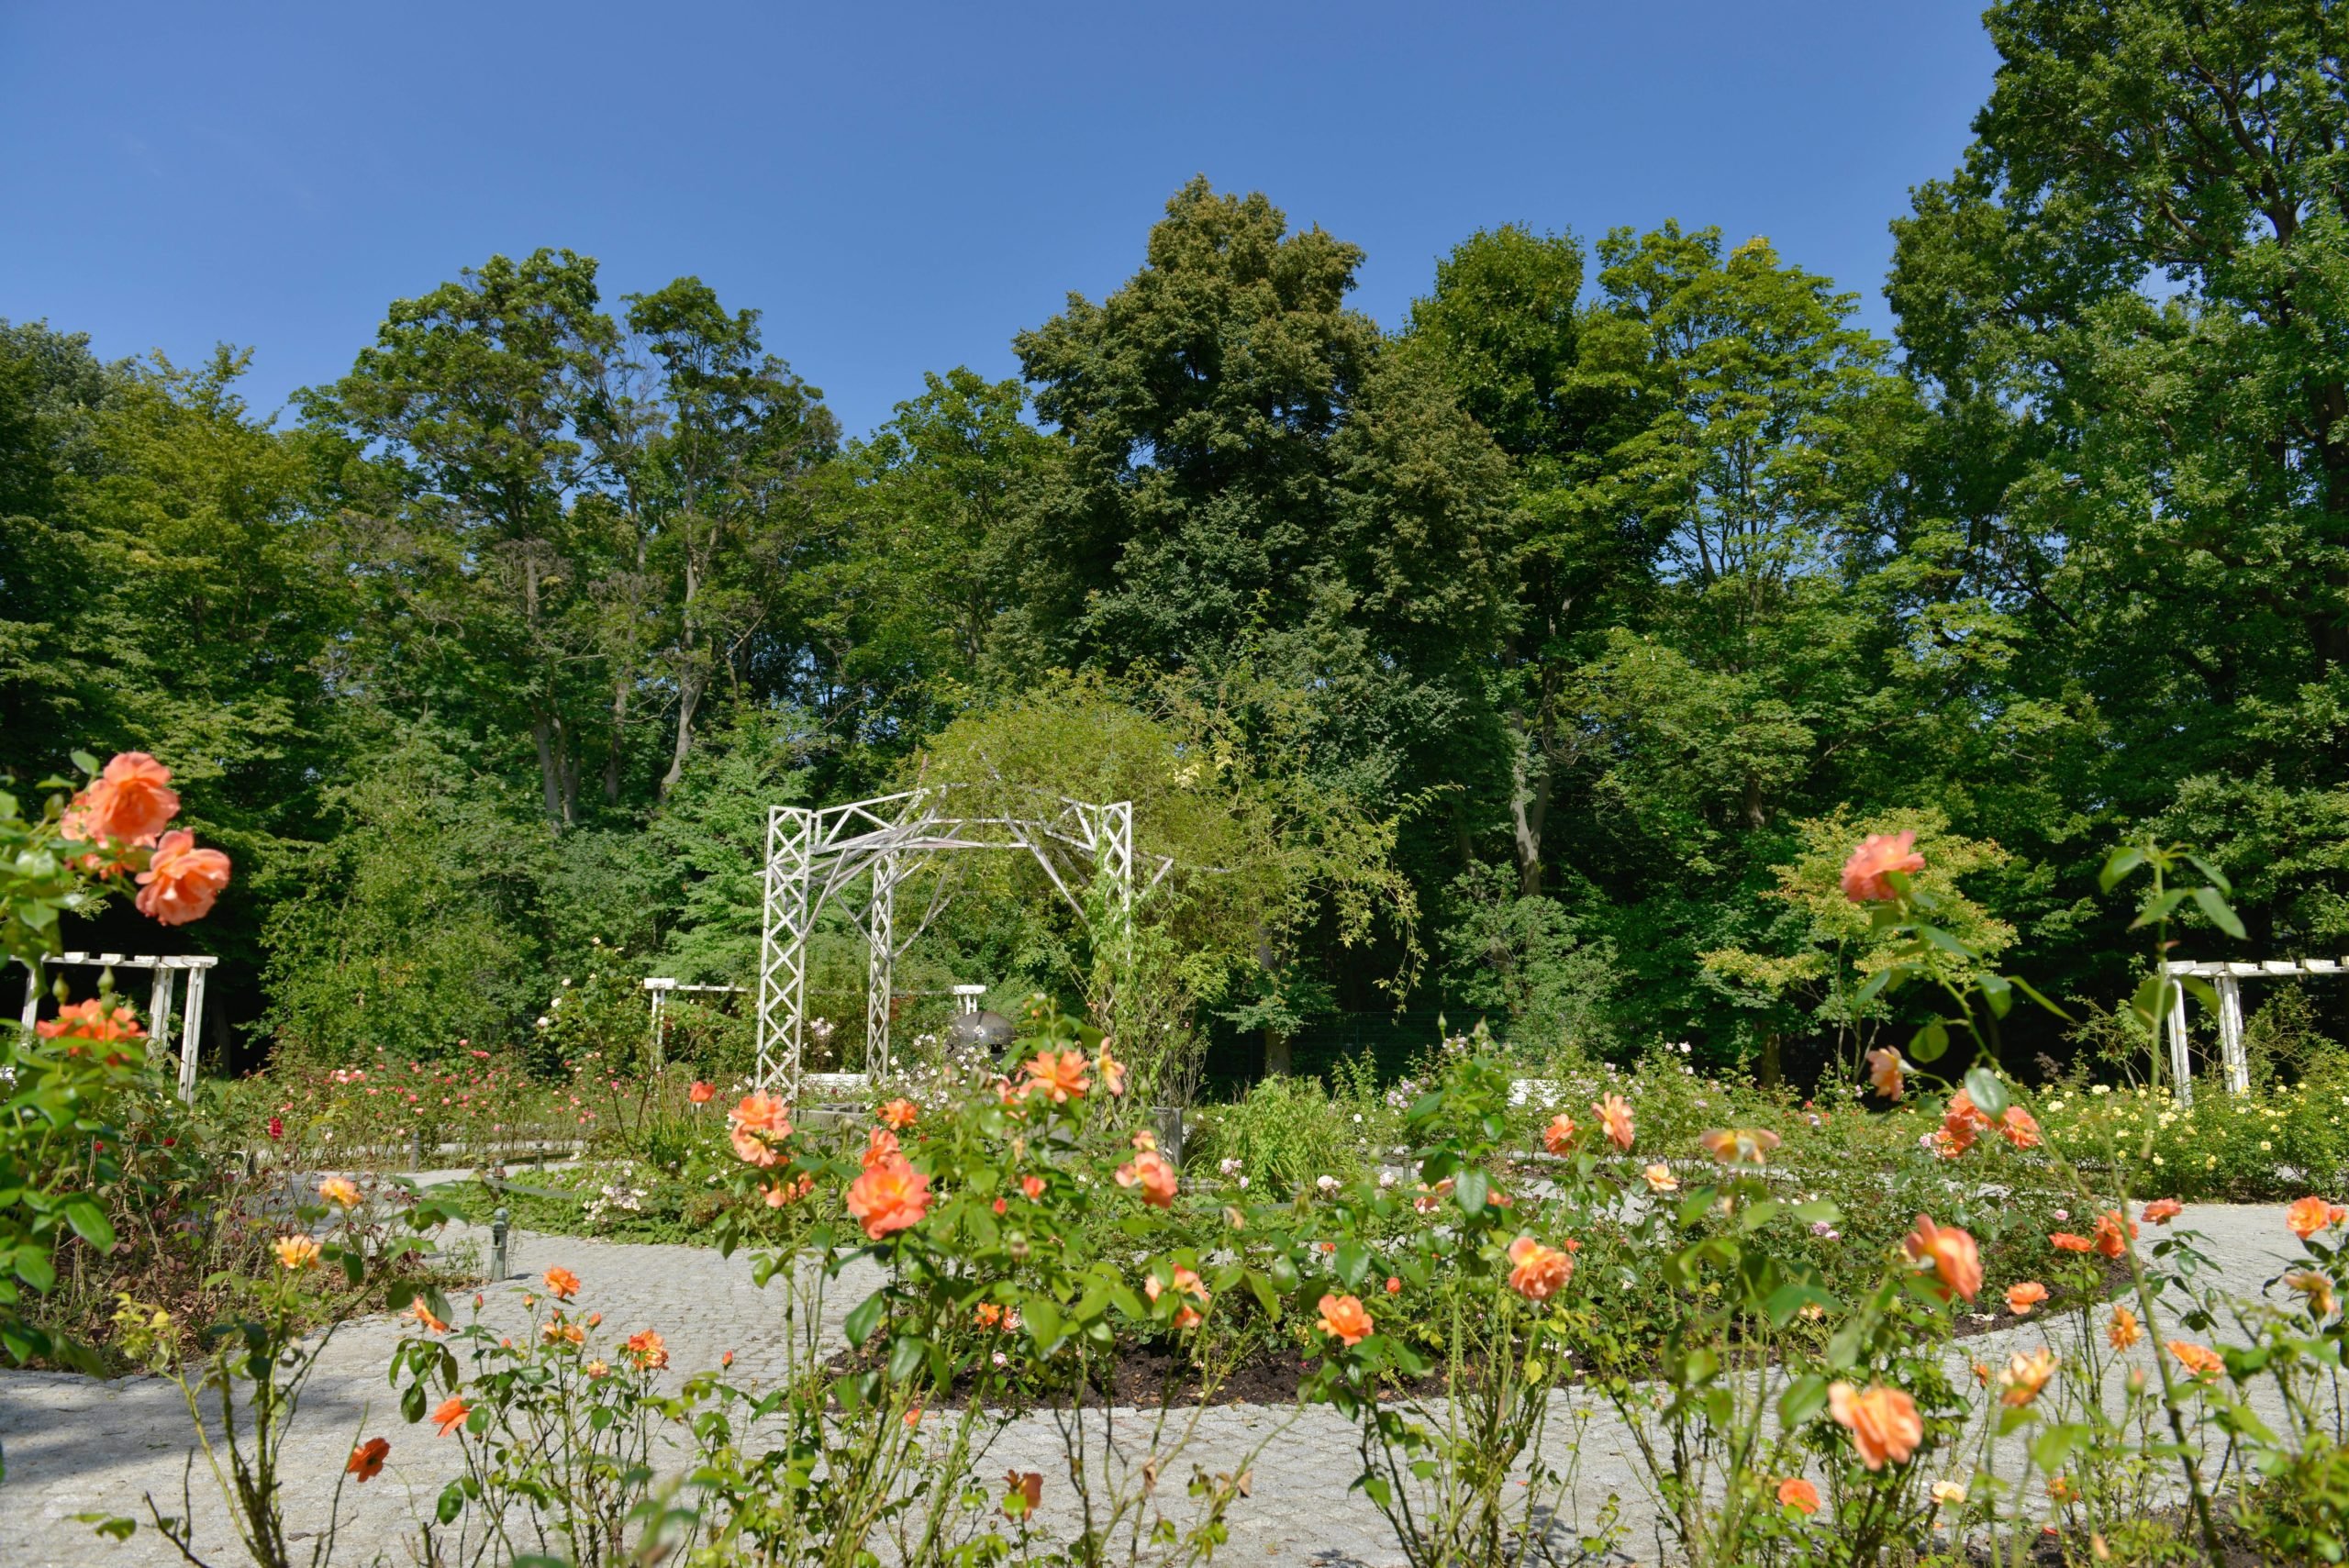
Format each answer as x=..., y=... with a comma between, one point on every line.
x=899, y=188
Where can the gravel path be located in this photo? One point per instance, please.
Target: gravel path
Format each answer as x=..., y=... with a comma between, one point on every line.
x=76, y=1445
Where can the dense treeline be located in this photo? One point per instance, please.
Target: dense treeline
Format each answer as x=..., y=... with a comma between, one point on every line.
x=1514, y=651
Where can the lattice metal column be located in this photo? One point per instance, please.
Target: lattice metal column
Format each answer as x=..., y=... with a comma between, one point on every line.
x=190, y=1031
x=158, y=1010
x=782, y=944
x=880, y=951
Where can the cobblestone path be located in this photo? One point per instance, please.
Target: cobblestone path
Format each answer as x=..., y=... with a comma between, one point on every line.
x=76, y=1445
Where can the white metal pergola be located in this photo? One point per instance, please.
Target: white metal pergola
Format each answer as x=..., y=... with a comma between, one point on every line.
x=159, y=1000
x=2226, y=978
x=815, y=854
x=661, y=987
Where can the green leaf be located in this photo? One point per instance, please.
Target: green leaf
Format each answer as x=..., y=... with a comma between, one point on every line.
x=866, y=1317
x=1758, y=1215
x=1997, y=992
x=2222, y=914
x=113, y=1528
x=2158, y=908
x=453, y=1503
x=1929, y=1044
x=2118, y=865
x=1471, y=1189
x=906, y=1358
x=1353, y=1264
x=89, y=1222
x=2217, y=878
x=1988, y=1094
x=1819, y=1211
x=1803, y=1399
x=2051, y=1448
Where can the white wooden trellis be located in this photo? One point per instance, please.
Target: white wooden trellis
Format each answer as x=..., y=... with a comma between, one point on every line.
x=815, y=854
x=2226, y=979
x=159, y=1000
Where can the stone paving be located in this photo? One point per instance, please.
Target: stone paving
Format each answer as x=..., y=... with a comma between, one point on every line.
x=76, y=1445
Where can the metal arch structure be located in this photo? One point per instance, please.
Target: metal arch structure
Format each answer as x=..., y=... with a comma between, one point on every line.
x=159, y=1000
x=816, y=854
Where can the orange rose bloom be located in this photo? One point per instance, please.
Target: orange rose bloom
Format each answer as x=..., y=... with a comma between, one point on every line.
x=1614, y=1118
x=452, y=1414
x=2316, y=1287
x=2109, y=1239
x=1952, y=1252
x=2065, y=1241
x=701, y=1094
x=1186, y=1282
x=367, y=1459
x=890, y=1196
x=1151, y=1172
x=899, y=1114
x=340, y=1191
x=2018, y=1128
x=1059, y=1078
x=91, y=1020
x=2021, y=1298
x=181, y=880
x=2199, y=1360
x=1538, y=1273
x=1883, y=1421
x=1884, y=1073
x=778, y=1193
x=882, y=1144
x=2161, y=1211
x=1031, y=1187
x=1660, y=1178
x=756, y=1126
x=426, y=1318
x=2309, y=1215
x=1343, y=1317
x=130, y=801
x=1113, y=1071
x=2025, y=1376
x=1864, y=873
x=648, y=1351
x=295, y=1252
x=1800, y=1496
x=2123, y=1331
x=1739, y=1146
x=561, y=1283
x=1559, y=1135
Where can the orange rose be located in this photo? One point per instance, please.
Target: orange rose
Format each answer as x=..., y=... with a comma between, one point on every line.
x=340, y=1191
x=2025, y=1376
x=1952, y=1252
x=1800, y=1496
x=2309, y=1215
x=899, y=1114
x=2109, y=1239
x=1884, y=1073
x=1660, y=1178
x=367, y=1459
x=756, y=1126
x=701, y=1094
x=648, y=1351
x=1615, y=1119
x=2018, y=1128
x=2021, y=1298
x=295, y=1252
x=91, y=1020
x=181, y=882
x=1113, y=1071
x=2161, y=1211
x=890, y=1196
x=1186, y=1282
x=2123, y=1331
x=1558, y=1137
x=2065, y=1241
x=778, y=1193
x=426, y=1318
x=2199, y=1360
x=130, y=801
x=1023, y=1489
x=1538, y=1273
x=562, y=1282
x=1740, y=1145
x=1864, y=873
x=1343, y=1317
x=2316, y=1287
x=1151, y=1172
x=1031, y=1187
x=1883, y=1422
x=881, y=1145
x=1058, y=1077
x=451, y=1415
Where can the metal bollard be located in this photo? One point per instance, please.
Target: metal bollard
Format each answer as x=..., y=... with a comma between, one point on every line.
x=497, y=1269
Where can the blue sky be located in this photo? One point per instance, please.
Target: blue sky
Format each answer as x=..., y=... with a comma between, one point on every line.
x=901, y=188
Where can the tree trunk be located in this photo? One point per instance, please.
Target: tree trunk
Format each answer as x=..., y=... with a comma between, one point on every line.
x=1276, y=1054
x=612, y=752
x=550, y=770
x=688, y=699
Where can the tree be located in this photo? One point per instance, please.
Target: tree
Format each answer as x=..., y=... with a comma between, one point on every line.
x=474, y=393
